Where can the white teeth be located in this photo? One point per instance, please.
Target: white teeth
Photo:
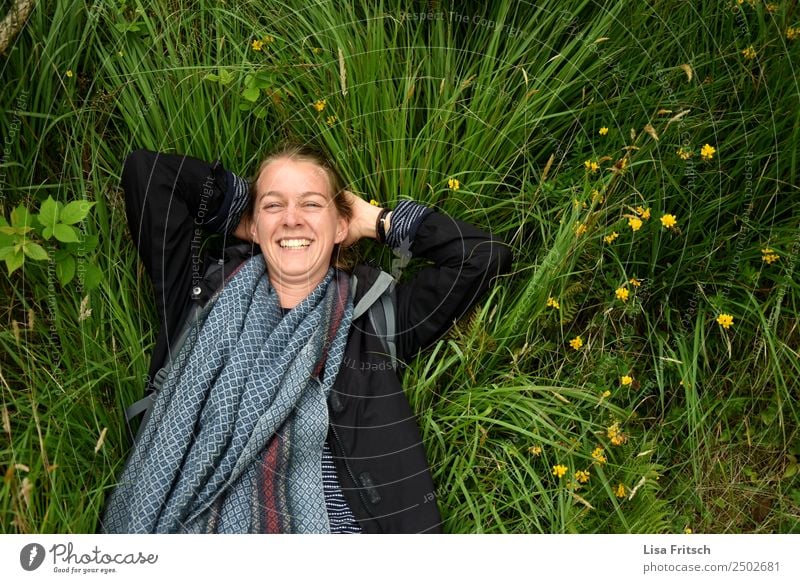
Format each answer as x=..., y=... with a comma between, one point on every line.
x=294, y=243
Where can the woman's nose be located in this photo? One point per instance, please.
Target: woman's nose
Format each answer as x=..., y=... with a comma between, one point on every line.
x=292, y=216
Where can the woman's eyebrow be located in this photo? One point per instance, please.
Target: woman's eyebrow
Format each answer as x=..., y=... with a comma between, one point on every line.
x=280, y=194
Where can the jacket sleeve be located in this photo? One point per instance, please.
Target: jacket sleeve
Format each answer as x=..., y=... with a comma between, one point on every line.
x=466, y=259
x=170, y=200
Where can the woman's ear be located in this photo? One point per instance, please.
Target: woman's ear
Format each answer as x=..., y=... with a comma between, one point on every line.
x=342, y=229
x=251, y=224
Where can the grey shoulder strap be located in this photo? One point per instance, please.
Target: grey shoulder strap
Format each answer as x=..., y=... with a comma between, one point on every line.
x=377, y=301
x=383, y=283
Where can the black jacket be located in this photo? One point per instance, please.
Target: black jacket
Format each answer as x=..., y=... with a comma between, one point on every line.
x=380, y=459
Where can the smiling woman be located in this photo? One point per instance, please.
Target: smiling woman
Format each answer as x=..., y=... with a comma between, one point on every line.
x=275, y=405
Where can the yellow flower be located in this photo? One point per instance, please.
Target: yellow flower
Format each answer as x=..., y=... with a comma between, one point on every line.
x=599, y=455
x=374, y=202
x=553, y=303
x=69, y=73
x=603, y=131
x=635, y=282
x=580, y=229
x=317, y=50
x=792, y=33
x=687, y=530
x=331, y=120
x=635, y=223
x=535, y=450
x=591, y=165
x=707, y=152
x=725, y=320
x=256, y=45
x=684, y=154
x=610, y=238
x=582, y=476
x=576, y=342
x=615, y=435
x=769, y=256
x=643, y=212
x=749, y=53
x=319, y=104
x=669, y=221
x=120, y=53
x=619, y=491
x=559, y=470
x=606, y=394
x=626, y=379
x=597, y=196
x=622, y=294
x=268, y=39
x=453, y=184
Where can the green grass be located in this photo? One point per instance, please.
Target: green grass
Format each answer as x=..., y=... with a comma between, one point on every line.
x=512, y=111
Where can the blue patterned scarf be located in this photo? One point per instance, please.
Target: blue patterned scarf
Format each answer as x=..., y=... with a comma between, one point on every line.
x=234, y=442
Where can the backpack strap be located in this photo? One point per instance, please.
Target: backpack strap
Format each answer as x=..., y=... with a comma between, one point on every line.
x=377, y=302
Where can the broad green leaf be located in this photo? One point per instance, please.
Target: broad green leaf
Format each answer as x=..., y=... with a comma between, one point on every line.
x=65, y=233
x=47, y=233
x=20, y=217
x=65, y=269
x=211, y=77
x=76, y=211
x=35, y=251
x=251, y=94
x=14, y=261
x=6, y=251
x=225, y=77
x=48, y=213
x=92, y=277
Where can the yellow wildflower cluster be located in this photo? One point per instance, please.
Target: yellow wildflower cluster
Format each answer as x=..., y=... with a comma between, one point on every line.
x=258, y=44
x=606, y=394
x=560, y=470
x=599, y=455
x=374, y=202
x=576, y=342
x=622, y=294
x=643, y=212
x=684, y=154
x=769, y=256
x=597, y=196
x=635, y=282
x=535, y=450
x=635, y=223
x=626, y=380
x=69, y=73
x=669, y=221
x=580, y=229
x=707, y=152
x=582, y=476
x=331, y=120
x=553, y=303
x=615, y=435
x=453, y=184
x=725, y=320
x=591, y=166
x=793, y=33
x=603, y=131
x=320, y=104
x=749, y=53
x=620, y=491
x=608, y=239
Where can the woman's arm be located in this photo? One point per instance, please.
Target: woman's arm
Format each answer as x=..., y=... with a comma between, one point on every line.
x=465, y=260
x=170, y=200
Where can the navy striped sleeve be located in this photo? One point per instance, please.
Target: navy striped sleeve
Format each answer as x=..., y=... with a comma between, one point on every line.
x=237, y=193
x=406, y=218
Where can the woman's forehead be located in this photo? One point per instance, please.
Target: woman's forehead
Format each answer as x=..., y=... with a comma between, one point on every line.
x=293, y=177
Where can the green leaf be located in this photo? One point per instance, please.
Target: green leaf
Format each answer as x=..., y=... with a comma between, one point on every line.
x=35, y=251
x=76, y=211
x=260, y=112
x=47, y=233
x=92, y=277
x=65, y=269
x=20, y=217
x=211, y=77
x=225, y=77
x=65, y=233
x=48, y=213
x=251, y=94
x=6, y=251
x=14, y=261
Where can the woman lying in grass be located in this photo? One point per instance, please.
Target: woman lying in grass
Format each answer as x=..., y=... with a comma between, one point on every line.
x=280, y=410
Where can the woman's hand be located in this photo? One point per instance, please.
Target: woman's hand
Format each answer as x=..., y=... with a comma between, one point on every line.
x=243, y=229
x=362, y=223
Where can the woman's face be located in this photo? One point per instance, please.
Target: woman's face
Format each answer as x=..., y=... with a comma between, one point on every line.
x=296, y=223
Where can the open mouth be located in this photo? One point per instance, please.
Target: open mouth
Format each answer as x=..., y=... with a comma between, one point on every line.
x=294, y=243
